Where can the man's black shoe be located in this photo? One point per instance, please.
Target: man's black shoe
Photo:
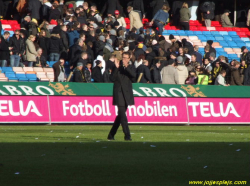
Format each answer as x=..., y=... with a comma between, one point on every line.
x=110, y=137
x=127, y=139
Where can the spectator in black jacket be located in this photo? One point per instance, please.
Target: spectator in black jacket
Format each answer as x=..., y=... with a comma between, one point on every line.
x=245, y=56
x=97, y=72
x=247, y=76
x=4, y=52
x=63, y=36
x=87, y=72
x=212, y=49
x=75, y=52
x=78, y=74
x=43, y=42
x=17, y=49
x=156, y=73
x=46, y=7
x=144, y=70
x=34, y=7
x=81, y=18
x=111, y=6
x=207, y=9
x=99, y=46
x=54, y=12
x=54, y=47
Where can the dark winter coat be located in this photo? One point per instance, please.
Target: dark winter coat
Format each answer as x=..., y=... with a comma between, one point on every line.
x=111, y=6
x=74, y=54
x=45, y=11
x=55, y=44
x=99, y=48
x=247, y=76
x=123, y=90
x=18, y=45
x=208, y=6
x=87, y=74
x=43, y=42
x=156, y=75
x=32, y=28
x=34, y=7
x=82, y=20
x=63, y=36
x=157, y=5
x=78, y=76
x=97, y=74
x=54, y=14
x=4, y=50
x=235, y=77
x=146, y=77
x=245, y=57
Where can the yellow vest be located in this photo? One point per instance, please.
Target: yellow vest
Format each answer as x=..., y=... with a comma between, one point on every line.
x=200, y=78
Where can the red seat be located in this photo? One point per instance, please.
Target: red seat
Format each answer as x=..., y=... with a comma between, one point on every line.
x=13, y=22
x=9, y=29
x=5, y=22
x=244, y=29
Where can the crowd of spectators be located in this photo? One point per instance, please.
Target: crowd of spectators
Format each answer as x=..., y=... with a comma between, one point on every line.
x=91, y=42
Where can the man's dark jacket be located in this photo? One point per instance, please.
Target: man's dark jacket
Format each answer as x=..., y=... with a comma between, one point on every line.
x=123, y=90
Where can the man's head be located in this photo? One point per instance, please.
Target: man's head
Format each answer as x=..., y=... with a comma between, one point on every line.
x=62, y=61
x=158, y=64
x=145, y=62
x=207, y=48
x=84, y=55
x=206, y=61
x=98, y=63
x=193, y=58
x=39, y=51
x=223, y=73
x=80, y=42
x=244, y=49
x=89, y=65
x=17, y=34
x=179, y=60
x=64, y=28
x=112, y=57
x=217, y=64
x=85, y=5
x=82, y=37
x=79, y=65
x=212, y=56
x=93, y=8
x=173, y=55
x=227, y=12
x=236, y=64
x=27, y=18
x=6, y=35
x=172, y=38
x=32, y=38
x=196, y=48
x=125, y=58
x=129, y=9
x=181, y=51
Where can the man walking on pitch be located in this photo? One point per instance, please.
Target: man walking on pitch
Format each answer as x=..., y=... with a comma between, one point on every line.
x=123, y=74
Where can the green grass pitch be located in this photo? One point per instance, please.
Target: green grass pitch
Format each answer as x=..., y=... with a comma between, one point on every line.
x=157, y=156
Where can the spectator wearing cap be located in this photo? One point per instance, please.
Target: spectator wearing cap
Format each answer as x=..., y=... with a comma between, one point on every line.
x=59, y=71
x=161, y=17
x=97, y=74
x=225, y=21
x=110, y=6
x=169, y=74
x=78, y=75
x=182, y=70
x=245, y=56
x=120, y=19
x=139, y=50
x=113, y=36
x=174, y=40
x=135, y=20
x=156, y=73
x=55, y=46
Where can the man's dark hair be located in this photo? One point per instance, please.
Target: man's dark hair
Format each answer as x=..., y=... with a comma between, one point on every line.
x=126, y=53
x=222, y=71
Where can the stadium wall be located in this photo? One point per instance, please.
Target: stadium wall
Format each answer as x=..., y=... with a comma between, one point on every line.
x=70, y=103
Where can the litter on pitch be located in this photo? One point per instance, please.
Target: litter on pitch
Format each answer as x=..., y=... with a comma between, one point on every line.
x=152, y=146
x=205, y=167
x=17, y=173
x=238, y=150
